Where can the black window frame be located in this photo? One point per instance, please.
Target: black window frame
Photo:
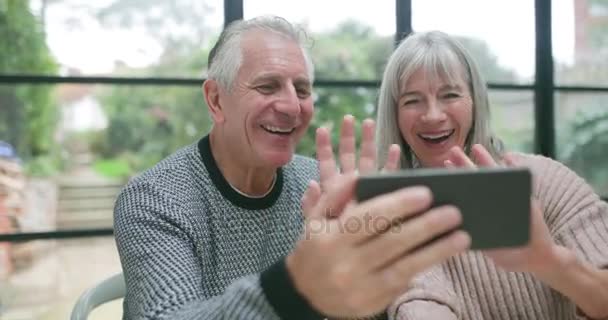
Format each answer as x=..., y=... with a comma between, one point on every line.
x=543, y=87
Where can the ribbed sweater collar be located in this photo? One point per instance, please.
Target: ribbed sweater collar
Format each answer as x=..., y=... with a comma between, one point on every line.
x=218, y=179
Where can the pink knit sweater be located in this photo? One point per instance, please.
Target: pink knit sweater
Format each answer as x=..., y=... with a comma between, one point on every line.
x=470, y=286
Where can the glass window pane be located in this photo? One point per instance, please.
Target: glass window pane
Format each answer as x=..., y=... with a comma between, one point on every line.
x=112, y=38
x=43, y=279
x=513, y=118
x=78, y=144
x=348, y=41
x=582, y=135
x=503, y=49
x=105, y=134
x=580, y=42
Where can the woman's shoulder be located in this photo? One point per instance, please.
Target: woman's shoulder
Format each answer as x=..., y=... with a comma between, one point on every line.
x=552, y=175
x=541, y=165
x=530, y=159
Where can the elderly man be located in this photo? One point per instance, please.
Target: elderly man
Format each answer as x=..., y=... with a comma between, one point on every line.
x=216, y=230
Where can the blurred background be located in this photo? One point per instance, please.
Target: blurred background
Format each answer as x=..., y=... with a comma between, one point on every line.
x=93, y=92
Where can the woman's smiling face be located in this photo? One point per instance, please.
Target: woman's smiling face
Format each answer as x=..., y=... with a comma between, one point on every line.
x=434, y=115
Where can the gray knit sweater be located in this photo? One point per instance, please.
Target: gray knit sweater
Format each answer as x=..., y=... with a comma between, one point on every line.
x=191, y=247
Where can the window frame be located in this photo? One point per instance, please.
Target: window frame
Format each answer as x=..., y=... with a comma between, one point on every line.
x=544, y=89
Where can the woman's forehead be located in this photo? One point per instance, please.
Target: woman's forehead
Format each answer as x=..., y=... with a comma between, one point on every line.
x=433, y=76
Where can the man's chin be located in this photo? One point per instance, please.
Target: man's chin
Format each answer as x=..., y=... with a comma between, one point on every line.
x=279, y=159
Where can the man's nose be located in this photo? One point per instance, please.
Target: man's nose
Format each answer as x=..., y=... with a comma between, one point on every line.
x=288, y=102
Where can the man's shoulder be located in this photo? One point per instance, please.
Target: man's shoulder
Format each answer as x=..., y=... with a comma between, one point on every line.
x=162, y=194
x=299, y=172
x=303, y=165
x=170, y=174
x=302, y=160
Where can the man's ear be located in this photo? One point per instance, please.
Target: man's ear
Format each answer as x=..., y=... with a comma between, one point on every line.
x=211, y=90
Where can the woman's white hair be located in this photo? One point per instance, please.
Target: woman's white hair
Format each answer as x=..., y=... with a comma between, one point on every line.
x=226, y=55
x=439, y=55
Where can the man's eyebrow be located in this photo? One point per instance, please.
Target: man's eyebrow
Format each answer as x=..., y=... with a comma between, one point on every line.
x=275, y=77
x=303, y=82
x=265, y=77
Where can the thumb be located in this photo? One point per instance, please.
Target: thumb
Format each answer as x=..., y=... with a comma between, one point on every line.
x=449, y=164
x=338, y=194
x=310, y=199
x=509, y=160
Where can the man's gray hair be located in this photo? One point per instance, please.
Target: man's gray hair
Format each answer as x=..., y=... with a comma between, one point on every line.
x=226, y=55
x=440, y=55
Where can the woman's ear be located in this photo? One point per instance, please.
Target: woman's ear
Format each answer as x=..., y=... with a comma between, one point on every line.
x=211, y=90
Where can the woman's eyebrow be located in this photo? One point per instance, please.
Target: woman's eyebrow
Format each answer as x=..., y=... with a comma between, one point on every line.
x=451, y=87
x=408, y=93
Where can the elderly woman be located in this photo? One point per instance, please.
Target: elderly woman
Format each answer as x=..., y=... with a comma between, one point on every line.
x=434, y=105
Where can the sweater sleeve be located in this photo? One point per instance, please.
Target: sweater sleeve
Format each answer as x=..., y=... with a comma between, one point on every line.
x=430, y=295
x=164, y=277
x=576, y=216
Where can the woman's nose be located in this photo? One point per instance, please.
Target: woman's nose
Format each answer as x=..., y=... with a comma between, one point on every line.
x=434, y=113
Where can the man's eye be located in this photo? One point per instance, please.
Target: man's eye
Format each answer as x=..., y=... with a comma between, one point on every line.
x=265, y=89
x=303, y=93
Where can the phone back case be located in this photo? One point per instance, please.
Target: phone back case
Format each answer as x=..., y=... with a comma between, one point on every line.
x=494, y=202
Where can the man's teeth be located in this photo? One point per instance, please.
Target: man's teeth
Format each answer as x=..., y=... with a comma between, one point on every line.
x=278, y=129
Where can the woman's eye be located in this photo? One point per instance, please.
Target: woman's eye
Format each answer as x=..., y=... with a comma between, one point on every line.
x=451, y=95
x=410, y=102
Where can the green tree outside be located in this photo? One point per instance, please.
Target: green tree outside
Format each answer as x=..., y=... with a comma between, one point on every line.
x=29, y=113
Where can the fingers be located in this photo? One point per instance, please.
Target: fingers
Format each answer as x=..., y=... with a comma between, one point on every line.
x=405, y=237
x=336, y=195
x=367, y=158
x=449, y=164
x=425, y=257
x=392, y=159
x=310, y=198
x=509, y=160
x=390, y=207
x=325, y=155
x=537, y=219
x=347, y=152
x=460, y=159
x=482, y=157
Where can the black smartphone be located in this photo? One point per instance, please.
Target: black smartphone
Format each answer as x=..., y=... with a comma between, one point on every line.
x=494, y=202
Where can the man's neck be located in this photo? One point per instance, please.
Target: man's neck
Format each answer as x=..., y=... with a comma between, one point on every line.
x=240, y=172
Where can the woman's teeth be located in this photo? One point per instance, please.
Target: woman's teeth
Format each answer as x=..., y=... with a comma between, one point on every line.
x=436, y=137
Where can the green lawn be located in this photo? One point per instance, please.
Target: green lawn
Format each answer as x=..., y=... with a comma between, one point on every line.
x=112, y=168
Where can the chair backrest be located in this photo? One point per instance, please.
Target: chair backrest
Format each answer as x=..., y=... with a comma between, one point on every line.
x=109, y=289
